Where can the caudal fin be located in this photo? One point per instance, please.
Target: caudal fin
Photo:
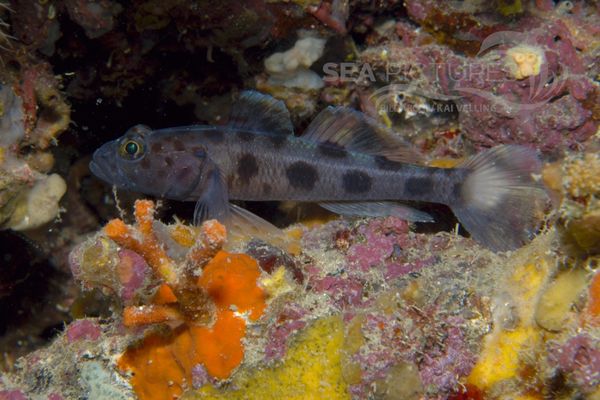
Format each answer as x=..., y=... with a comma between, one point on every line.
x=501, y=203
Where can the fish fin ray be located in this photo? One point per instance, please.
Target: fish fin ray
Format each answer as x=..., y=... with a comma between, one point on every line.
x=214, y=201
x=377, y=209
x=242, y=225
x=501, y=203
x=258, y=112
x=355, y=131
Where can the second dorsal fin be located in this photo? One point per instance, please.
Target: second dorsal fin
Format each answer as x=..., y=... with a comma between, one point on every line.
x=355, y=131
x=258, y=112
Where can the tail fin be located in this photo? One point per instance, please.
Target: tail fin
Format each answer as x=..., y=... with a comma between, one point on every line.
x=501, y=204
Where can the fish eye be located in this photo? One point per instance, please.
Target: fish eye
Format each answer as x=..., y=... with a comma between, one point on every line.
x=131, y=149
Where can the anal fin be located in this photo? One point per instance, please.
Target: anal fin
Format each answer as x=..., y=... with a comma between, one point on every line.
x=377, y=209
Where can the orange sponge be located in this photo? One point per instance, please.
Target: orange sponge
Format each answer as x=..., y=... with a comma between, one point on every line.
x=162, y=365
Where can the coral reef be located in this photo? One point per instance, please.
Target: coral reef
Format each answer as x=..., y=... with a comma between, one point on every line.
x=99, y=304
x=379, y=305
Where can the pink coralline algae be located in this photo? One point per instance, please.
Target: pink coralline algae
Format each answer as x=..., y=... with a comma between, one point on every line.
x=83, y=329
x=434, y=335
x=12, y=395
x=528, y=82
x=579, y=359
x=289, y=322
x=436, y=344
x=378, y=245
x=133, y=272
x=345, y=292
x=129, y=277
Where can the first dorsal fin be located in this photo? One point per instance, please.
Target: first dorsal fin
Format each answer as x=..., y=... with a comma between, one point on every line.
x=355, y=131
x=258, y=112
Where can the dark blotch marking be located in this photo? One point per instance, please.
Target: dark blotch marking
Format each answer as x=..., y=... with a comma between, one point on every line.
x=245, y=136
x=332, y=150
x=215, y=136
x=247, y=168
x=302, y=175
x=386, y=164
x=356, y=181
x=230, y=179
x=278, y=140
x=168, y=161
x=418, y=186
x=267, y=189
x=156, y=147
x=456, y=191
x=178, y=145
x=161, y=173
x=199, y=151
x=145, y=163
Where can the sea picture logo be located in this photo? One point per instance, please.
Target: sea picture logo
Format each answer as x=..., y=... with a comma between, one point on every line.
x=515, y=78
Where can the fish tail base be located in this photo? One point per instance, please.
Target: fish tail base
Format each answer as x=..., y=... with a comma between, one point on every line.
x=501, y=203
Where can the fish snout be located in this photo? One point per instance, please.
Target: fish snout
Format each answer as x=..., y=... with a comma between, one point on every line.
x=103, y=165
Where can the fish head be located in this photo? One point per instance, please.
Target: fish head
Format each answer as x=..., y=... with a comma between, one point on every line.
x=149, y=162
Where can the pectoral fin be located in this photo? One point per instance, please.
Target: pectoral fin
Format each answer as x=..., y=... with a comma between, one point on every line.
x=214, y=201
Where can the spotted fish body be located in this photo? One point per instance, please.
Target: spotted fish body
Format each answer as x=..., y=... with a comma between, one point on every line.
x=344, y=161
x=264, y=167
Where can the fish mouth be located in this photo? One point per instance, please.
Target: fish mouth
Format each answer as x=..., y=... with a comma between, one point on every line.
x=102, y=166
x=97, y=171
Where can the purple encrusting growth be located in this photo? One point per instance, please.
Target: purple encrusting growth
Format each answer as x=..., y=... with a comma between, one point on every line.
x=130, y=278
x=200, y=376
x=12, y=395
x=133, y=271
x=579, y=359
x=551, y=111
x=290, y=322
x=83, y=329
x=435, y=337
x=432, y=341
x=378, y=244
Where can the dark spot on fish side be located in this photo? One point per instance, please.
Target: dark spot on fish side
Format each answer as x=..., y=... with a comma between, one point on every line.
x=183, y=174
x=161, y=173
x=168, y=161
x=230, y=179
x=278, y=140
x=301, y=175
x=178, y=145
x=245, y=136
x=386, y=164
x=332, y=150
x=456, y=191
x=145, y=163
x=215, y=136
x=156, y=147
x=418, y=186
x=247, y=168
x=199, y=151
x=356, y=181
x=267, y=188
